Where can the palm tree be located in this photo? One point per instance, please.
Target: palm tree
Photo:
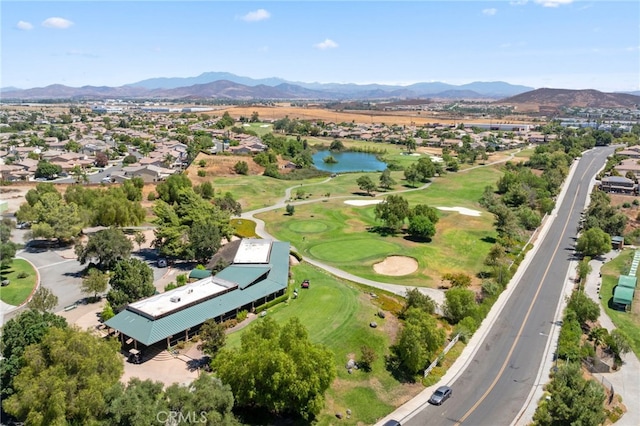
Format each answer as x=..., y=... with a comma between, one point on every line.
x=598, y=335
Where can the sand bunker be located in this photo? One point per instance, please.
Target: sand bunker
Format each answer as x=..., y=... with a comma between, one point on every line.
x=461, y=210
x=363, y=202
x=396, y=266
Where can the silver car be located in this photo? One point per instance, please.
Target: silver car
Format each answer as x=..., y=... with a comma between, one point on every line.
x=440, y=395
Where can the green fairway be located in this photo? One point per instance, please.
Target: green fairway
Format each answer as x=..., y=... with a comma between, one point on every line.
x=308, y=226
x=19, y=289
x=629, y=322
x=341, y=234
x=353, y=250
x=337, y=314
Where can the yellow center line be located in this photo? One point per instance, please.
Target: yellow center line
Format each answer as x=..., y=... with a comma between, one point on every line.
x=524, y=322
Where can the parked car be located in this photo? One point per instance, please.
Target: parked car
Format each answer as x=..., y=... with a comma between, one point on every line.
x=305, y=284
x=440, y=395
x=392, y=423
x=162, y=263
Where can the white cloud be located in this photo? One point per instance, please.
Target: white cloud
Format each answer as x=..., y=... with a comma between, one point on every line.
x=23, y=25
x=57, y=23
x=76, y=52
x=326, y=44
x=489, y=12
x=553, y=3
x=518, y=2
x=256, y=15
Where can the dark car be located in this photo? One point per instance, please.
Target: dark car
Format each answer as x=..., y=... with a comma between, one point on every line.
x=392, y=423
x=440, y=395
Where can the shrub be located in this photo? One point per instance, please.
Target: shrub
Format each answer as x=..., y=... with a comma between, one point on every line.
x=22, y=274
x=636, y=202
x=181, y=280
x=242, y=315
x=202, y=173
x=202, y=163
x=170, y=286
x=626, y=205
x=152, y=196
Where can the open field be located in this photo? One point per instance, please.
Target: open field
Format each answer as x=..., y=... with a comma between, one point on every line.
x=337, y=315
x=629, y=322
x=418, y=118
x=339, y=234
x=19, y=289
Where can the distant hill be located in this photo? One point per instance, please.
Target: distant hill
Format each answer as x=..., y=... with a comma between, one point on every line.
x=225, y=85
x=574, y=98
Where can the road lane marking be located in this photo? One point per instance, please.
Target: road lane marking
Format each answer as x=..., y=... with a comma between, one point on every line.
x=524, y=322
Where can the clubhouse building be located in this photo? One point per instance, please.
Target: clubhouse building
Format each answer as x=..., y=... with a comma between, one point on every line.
x=258, y=274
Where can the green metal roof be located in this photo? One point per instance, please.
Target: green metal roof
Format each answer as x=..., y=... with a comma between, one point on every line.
x=199, y=273
x=244, y=275
x=623, y=295
x=148, y=332
x=627, y=281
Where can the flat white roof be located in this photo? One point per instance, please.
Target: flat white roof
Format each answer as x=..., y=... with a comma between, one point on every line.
x=253, y=250
x=180, y=297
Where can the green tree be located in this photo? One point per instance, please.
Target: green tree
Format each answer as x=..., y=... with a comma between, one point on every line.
x=94, y=282
x=367, y=358
x=416, y=299
x=102, y=160
x=107, y=312
x=213, y=336
x=569, y=337
x=105, y=248
x=139, y=238
x=366, y=184
x=386, y=181
x=584, y=269
x=593, y=242
x=241, y=168
x=131, y=280
x=619, y=343
x=573, y=400
x=65, y=378
x=28, y=328
x=425, y=210
x=393, y=211
x=421, y=227
x=43, y=300
x=47, y=170
x=278, y=369
x=419, y=340
x=290, y=209
x=207, y=396
x=54, y=218
x=8, y=251
x=459, y=303
x=336, y=145
x=137, y=403
x=204, y=240
x=169, y=190
x=585, y=308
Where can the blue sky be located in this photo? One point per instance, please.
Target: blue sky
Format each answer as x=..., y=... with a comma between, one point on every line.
x=540, y=43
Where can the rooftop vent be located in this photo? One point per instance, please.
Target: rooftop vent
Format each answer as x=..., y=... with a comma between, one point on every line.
x=175, y=299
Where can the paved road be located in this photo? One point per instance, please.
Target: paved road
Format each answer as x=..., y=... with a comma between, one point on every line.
x=498, y=380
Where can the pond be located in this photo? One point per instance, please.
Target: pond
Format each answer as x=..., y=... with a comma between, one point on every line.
x=348, y=162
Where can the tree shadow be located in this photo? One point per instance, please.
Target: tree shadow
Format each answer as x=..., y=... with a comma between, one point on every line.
x=490, y=240
x=383, y=231
x=363, y=194
x=261, y=416
x=415, y=239
x=394, y=367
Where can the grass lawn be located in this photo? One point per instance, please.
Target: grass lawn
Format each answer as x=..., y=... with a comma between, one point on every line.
x=341, y=235
x=337, y=315
x=19, y=289
x=261, y=129
x=629, y=322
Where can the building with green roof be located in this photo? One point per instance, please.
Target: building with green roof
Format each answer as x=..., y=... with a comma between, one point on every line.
x=258, y=274
x=623, y=296
x=627, y=281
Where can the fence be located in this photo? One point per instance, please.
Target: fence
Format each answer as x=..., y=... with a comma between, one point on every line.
x=444, y=352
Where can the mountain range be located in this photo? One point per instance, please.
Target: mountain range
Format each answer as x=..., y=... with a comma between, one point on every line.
x=231, y=87
x=223, y=85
